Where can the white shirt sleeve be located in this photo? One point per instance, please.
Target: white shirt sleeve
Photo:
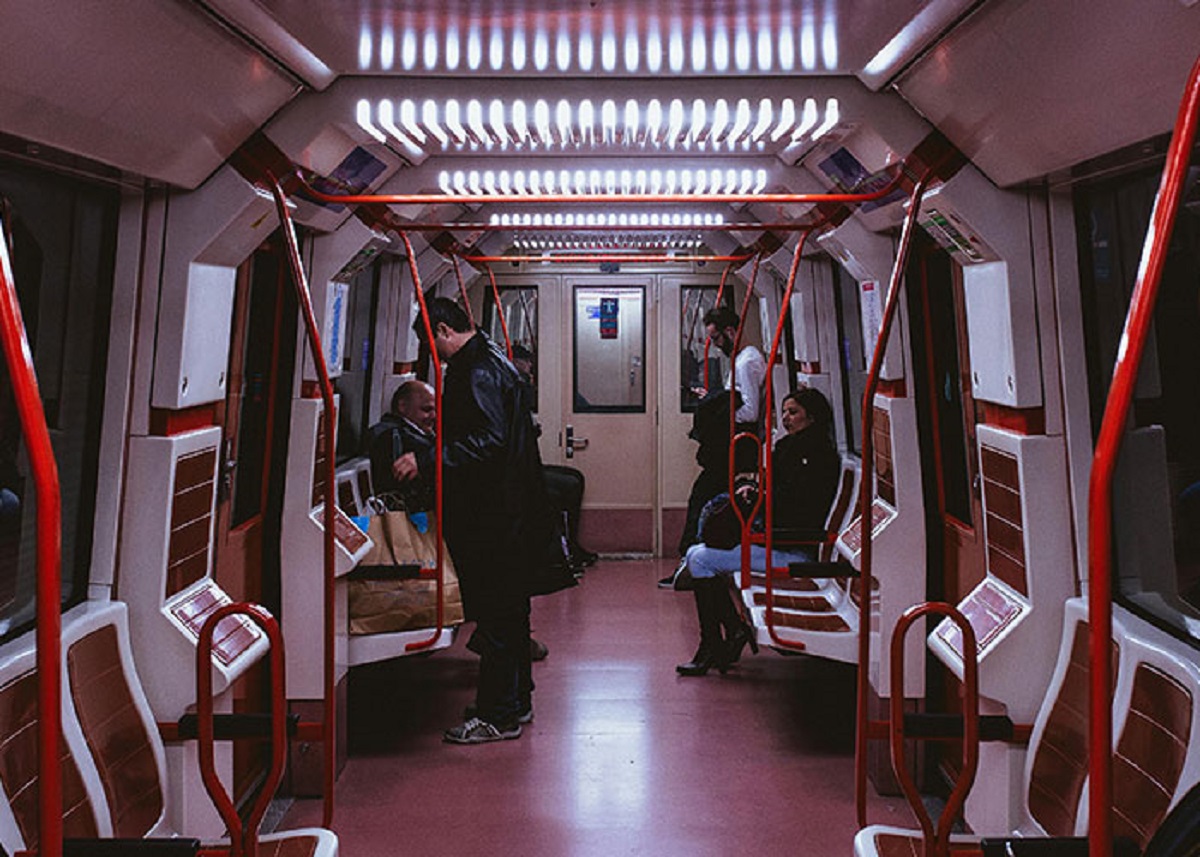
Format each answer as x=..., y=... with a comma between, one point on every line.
x=750, y=373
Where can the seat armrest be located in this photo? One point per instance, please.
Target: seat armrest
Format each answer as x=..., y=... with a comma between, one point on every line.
x=403, y=571
x=822, y=569
x=1064, y=846
x=173, y=847
x=992, y=727
x=227, y=727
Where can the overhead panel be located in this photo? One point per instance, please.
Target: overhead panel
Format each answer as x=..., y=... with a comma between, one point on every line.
x=1028, y=88
x=157, y=89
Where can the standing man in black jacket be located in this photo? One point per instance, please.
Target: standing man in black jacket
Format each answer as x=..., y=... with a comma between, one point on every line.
x=497, y=519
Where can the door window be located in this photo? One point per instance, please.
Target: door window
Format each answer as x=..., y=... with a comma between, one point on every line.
x=610, y=350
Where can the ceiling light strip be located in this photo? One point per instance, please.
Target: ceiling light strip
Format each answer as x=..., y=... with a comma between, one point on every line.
x=451, y=125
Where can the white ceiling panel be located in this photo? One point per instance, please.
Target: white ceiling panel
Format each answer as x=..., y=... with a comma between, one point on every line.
x=155, y=88
x=1029, y=87
x=605, y=37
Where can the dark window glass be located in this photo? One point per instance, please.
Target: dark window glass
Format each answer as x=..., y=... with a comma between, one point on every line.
x=362, y=304
x=850, y=353
x=1156, y=492
x=520, y=306
x=61, y=236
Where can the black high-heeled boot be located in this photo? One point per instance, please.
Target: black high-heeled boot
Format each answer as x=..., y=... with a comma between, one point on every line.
x=738, y=634
x=711, y=652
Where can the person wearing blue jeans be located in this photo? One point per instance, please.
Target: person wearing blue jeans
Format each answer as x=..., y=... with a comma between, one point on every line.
x=806, y=468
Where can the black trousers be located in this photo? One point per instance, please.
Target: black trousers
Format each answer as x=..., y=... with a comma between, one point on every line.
x=505, y=688
x=565, y=487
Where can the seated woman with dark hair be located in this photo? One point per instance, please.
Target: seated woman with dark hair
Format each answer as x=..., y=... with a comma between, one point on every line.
x=805, y=476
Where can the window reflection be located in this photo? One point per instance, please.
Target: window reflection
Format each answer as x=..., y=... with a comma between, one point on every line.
x=694, y=302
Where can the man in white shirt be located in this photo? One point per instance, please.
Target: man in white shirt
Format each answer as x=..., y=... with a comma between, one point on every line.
x=749, y=368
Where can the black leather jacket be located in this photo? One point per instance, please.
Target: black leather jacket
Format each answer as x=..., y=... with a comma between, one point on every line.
x=497, y=517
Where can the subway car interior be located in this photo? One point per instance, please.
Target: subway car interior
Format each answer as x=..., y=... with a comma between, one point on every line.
x=972, y=225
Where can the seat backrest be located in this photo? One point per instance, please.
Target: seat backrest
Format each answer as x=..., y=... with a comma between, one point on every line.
x=1156, y=722
x=109, y=724
x=1057, y=763
x=844, y=502
x=19, y=756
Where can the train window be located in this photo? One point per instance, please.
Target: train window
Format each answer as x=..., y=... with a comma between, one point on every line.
x=61, y=236
x=1156, y=492
x=694, y=302
x=610, y=349
x=520, y=312
x=851, y=354
x=945, y=330
x=355, y=380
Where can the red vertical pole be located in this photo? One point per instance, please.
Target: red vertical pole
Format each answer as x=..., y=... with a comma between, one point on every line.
x=500, y=313
x=716, y=303
x=438, y=487
x=768, y=452
x=867, y=496
x=462, y=290
x=304, y=298
x=19, y=360
x=1108, y=445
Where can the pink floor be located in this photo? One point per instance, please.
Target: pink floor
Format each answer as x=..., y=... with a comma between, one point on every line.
x=623, y=758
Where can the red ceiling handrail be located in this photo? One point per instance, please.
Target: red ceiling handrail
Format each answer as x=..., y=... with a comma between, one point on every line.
x=304, y=299
x=867, y=496
x=936, y=839
x=595, y=228
x=28, y=400
x=243, y=837
x=1108, y=444
x=656, y=258
x=438, y=486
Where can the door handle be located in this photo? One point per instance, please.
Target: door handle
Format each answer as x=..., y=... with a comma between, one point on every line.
x=573, y=443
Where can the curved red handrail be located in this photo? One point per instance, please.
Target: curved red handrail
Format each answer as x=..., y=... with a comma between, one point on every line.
x=1108, y=444
x=867, y=497
x=19, y=359
x=746, y=517
x=936, y=839
x=304, y=299
x=243, y=838
x=733, y=391
x=500, y=313
x=438, y=486
x=785, y=306
x=462, y=290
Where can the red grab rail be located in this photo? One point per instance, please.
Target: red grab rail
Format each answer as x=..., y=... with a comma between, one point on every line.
x=785, y=306
x=438, y=487
x=19, y=359
x=1108, y=444
x=499, y=312
x=936, y=839
x=243, y=837
x=304, y=298
x=867, y=496
x=462, y=290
